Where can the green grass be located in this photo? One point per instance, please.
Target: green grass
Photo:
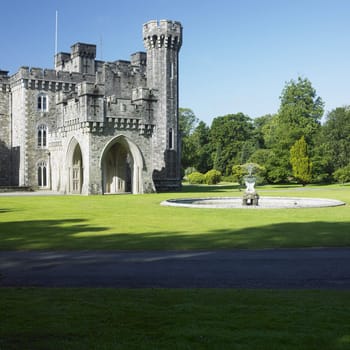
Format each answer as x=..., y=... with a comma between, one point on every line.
x=173, y=319
x=139, y=222
x=39, y=318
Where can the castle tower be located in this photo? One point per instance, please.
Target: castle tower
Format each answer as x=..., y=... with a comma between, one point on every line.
x=5, y=131
x=80, y=60
x=163, y=41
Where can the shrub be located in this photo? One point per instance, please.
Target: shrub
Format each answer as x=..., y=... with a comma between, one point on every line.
x=196, y=178
x=238, y=172
x=228, y=178
x=342, y=175
x=187, y=171
x=212, y=177
x=190, y=170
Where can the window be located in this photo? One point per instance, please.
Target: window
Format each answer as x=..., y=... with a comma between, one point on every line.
x=42, y=174
x=170, y=140
x=42, y=103
x=123, y=107
x=172, y=68
x=42, y=136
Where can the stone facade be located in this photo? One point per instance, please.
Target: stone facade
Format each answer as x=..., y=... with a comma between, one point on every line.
x=95, y=127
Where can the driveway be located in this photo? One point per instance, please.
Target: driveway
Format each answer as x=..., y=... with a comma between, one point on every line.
x=321, y=268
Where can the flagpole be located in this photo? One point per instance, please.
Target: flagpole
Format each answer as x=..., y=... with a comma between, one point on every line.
x=56, y=37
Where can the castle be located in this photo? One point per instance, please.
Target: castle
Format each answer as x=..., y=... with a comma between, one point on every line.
x=94, y=127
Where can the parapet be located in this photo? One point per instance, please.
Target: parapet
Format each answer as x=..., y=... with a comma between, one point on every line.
x=163, y=25
x=139, y=59
x=83, y=50
x=164, y=33
x=4, y=80
x=62, y=57
x=51, y=75
x=142, y=93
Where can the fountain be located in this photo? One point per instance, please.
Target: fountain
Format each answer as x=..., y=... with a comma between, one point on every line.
x=250, y=196
x=252, y=200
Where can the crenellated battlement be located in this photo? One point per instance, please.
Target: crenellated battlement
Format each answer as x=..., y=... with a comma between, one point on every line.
x=163, y=25
x=165, y=33
x=50, y=75
x=83, y=50
x=4, y=81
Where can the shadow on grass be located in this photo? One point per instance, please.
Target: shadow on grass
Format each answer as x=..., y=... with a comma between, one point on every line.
x=3, y=210
x=77, y=234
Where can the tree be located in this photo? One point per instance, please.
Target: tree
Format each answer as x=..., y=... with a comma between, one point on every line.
x=187, y=124
x=336, y=137
x=301, y=164
x=342, y=175
x=187, y=121
x=229, y=138
x=299, y=115
x=300, y=112
x=202, y=148
x=263, y=127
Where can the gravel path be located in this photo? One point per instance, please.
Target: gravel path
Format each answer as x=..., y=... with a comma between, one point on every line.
x=321, y=268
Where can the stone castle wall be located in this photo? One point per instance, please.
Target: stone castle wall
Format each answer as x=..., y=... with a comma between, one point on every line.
x=5, y=131
x=97, y=107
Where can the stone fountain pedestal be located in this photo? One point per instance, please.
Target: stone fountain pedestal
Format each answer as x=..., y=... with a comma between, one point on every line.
x=250, y=196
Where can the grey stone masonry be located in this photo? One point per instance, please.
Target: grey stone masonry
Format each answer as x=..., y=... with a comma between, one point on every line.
x=5, y=130
x=95, y=127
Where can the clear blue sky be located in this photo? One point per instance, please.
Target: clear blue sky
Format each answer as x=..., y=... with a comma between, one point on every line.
x=236, y=56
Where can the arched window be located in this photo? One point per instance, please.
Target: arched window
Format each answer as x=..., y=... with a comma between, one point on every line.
x=42, y=174
x=43, y=103
x=42, y=136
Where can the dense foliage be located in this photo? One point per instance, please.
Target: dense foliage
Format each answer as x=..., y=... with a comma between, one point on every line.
x=301, y=164
x=212, y=177
x=291, y=145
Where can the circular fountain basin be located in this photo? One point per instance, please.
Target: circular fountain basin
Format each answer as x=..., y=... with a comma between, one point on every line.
x=264, y=203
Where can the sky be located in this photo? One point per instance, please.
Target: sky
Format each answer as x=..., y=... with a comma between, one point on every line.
x=237, y=55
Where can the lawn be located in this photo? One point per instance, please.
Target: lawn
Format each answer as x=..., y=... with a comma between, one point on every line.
x=39, y=318
x=129, y=222
x=46, y=319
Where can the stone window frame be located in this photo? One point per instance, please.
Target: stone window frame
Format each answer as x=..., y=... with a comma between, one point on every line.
x=42, y=174
x=42, y=102
x=42, y=136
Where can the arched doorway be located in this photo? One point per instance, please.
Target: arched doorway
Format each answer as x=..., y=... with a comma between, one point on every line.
x=75, y=167
x=121, y=166
x=77, y=170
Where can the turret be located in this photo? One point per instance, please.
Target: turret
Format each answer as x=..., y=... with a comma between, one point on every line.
x=163, y=41
x=80, y=60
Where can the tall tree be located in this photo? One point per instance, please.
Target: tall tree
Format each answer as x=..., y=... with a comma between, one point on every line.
x=336, y=137
x=299, y=115
x=229, y=137
x=263, y=127
x=202, y=148
x=187, y=121
x=300, y=112
x=301, y=164
x=187, y=125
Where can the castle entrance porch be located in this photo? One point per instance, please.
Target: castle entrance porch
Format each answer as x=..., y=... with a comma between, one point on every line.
x=121, y=165
x=117, y=170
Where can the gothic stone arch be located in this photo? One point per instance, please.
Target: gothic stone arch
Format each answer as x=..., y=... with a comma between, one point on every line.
x=121, y=165
x=75, y=167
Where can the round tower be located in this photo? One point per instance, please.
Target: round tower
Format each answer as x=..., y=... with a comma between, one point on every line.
x=163, y=41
